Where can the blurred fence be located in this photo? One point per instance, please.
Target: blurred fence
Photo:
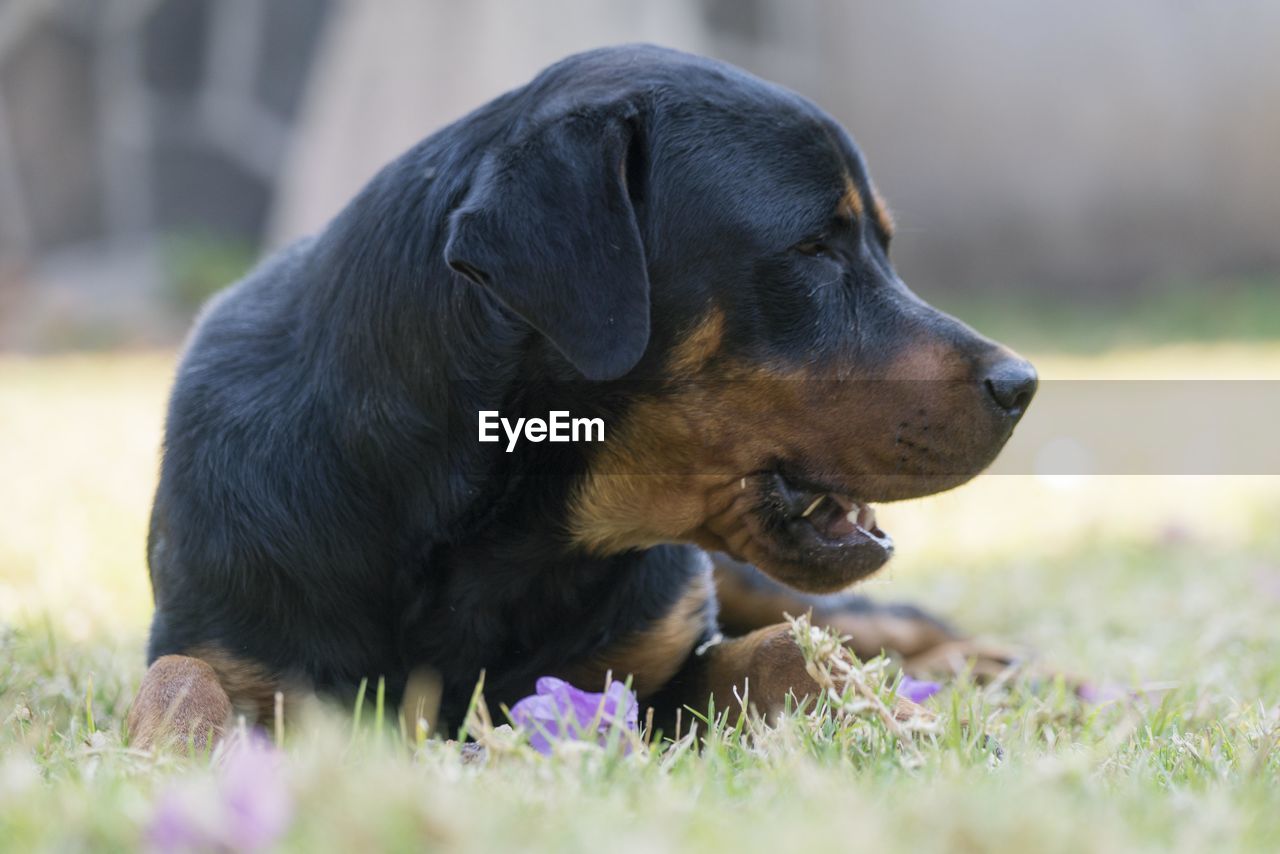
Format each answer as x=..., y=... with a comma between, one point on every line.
x=1087, y=147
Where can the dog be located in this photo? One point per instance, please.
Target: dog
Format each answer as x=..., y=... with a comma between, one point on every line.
x=691, y=256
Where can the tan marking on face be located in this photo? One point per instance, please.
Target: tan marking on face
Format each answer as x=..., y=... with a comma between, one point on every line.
x=680, y=457
x=699, y=346
x=880, y=210
x=653, y=655
x=851, y=202
x=653, y=481
x=689, y=460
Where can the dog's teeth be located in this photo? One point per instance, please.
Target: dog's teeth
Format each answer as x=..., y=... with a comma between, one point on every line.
x=863, y=516
x=814, y=506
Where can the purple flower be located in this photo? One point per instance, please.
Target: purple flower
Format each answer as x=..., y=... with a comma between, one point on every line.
x=561, y=712
x=256, y=799
x=183, y=821
x=247, y=807
x=917, y=690
x=1103, y=693
x=1268, y=581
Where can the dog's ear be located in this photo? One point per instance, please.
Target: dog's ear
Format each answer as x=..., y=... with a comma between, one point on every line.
x=549, y=229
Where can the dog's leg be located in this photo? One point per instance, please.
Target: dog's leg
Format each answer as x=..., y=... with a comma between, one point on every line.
x=180, y=703
x=189, y=701
x=924, y=644
x=760, y=668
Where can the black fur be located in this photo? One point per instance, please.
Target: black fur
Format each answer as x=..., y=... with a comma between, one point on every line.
x=324, y=507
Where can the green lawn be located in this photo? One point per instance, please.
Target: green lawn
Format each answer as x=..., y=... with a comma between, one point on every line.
x=1240, y=309
x=1170, y=585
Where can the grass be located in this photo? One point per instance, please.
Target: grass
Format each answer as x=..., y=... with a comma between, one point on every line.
x=1168, y=583
x=1241, y=309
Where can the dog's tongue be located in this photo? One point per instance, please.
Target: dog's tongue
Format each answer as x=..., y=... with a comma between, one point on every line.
x=840, y=528
x=838, y=517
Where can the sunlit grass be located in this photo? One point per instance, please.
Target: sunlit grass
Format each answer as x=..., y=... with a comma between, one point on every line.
x=1059, y=320
x=79, y=453
x=1169, y=583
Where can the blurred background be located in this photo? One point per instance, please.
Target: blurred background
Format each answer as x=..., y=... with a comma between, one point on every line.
x=1095, y=183
x=1042, y=159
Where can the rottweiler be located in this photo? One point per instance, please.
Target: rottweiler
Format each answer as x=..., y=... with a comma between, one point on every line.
x=691, y=255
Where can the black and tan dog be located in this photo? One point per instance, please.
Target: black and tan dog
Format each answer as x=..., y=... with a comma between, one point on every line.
x=692, y=255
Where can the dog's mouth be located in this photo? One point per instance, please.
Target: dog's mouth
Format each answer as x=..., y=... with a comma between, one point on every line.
x=814, y=536
x=839, y=519
x=830, y=518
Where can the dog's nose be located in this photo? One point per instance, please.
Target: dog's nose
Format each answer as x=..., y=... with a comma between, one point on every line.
x=1012, y=383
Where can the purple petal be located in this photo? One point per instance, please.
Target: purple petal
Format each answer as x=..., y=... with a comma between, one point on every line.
x=539, y=716
x=1105, y=693
x=621, y=705
x=559, y=711
x=1268, y=581
x=246, y=808
x=917, y=690
x=183, y=821
x=254, y=793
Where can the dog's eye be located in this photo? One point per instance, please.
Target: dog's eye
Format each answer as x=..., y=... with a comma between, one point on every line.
x=813, y=248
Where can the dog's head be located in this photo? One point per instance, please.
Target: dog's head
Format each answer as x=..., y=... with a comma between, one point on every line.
x=713, y=244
